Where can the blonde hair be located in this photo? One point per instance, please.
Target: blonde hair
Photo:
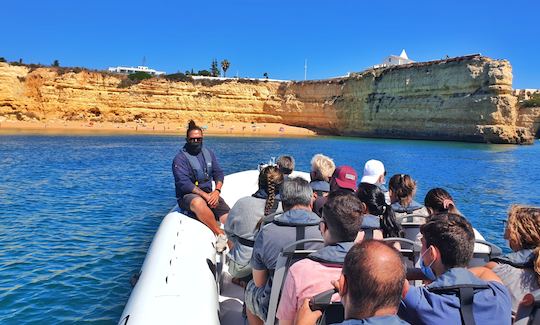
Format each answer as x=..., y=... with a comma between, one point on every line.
x=523, y=230
x=322, y=167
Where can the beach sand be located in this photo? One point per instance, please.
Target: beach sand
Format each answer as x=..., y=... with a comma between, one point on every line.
x=215, y=128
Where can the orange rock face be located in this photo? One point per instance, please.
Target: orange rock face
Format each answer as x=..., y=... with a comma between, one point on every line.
x=467, y=99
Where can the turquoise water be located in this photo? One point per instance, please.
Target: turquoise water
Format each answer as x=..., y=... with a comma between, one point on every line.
x=79, y=212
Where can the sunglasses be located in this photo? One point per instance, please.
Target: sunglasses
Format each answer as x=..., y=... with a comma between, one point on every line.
x=193, y=140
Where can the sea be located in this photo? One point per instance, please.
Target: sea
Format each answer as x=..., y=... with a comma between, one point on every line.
x=78, y=213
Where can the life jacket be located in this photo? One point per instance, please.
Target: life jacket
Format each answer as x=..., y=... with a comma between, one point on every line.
x=305, y=219
x=202, y=175
x=463, y=284
x=320, y=187
x=369, y=224
x=409, y=210
x=332, y=254
x=522, y=259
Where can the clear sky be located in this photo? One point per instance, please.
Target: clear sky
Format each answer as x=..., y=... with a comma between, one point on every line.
x=273, y=36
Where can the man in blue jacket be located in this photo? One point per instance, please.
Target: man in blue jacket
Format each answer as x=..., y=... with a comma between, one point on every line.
x=456, y=295
x=194, y=168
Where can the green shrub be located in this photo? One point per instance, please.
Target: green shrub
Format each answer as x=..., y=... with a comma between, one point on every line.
x=534, y=101
x=177, y=77
x=139, y=76
x=2, y=59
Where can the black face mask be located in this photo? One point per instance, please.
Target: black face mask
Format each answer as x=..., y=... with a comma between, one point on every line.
x=194, y=148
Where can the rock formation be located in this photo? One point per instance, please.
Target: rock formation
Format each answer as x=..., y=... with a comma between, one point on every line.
x=467, y=99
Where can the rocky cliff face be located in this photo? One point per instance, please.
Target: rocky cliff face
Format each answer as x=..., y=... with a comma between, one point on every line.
x=468, y=98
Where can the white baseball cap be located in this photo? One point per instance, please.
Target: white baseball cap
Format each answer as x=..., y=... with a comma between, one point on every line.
x=373, y=169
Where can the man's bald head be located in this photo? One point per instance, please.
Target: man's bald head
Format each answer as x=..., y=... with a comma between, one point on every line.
x=374, y=277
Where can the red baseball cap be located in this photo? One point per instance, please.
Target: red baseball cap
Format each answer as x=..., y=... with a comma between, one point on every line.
x=346, y=177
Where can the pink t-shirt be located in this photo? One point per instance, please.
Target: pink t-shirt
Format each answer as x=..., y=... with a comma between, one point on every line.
x=305, y=279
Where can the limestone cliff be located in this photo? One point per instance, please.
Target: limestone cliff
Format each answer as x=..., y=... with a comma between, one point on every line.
x=467, y=98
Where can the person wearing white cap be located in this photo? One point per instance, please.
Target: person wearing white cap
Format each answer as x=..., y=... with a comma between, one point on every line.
x=374, y=173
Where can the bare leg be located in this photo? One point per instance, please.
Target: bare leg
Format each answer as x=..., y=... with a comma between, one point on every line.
x=252, y=319
x=204, y=214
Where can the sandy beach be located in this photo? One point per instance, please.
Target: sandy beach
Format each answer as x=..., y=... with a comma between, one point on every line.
x=214, y=128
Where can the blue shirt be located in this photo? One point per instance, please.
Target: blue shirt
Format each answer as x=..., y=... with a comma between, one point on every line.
x=184, y=177
x=383, y=320
x=490, y=306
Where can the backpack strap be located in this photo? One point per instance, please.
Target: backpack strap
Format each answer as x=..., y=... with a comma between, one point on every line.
x=465, y=293
x=300, y=234
x=246, y=242
x=368, y=233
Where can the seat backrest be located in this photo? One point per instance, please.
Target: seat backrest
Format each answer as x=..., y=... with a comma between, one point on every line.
x=483, y=252
x=289, y=254
x=411, y=225
x=410, y=250
x=528, y=312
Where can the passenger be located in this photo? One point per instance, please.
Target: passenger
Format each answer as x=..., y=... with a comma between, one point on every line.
x=194, y=168
x=344, y=178
x=296, y=223
x=438, y=200
x=447, y=248
x=370, y=287
x=381, y=215
x=402, y=191
x=322, y=168
x=520, y=270
x=339, y=226
x=244, y=216
x=285, y=165
x=374, y=173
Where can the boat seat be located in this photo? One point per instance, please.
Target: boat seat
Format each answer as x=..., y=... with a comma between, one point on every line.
x=528, y=312
x=484, y=251
x=411, y=225
x=410, y=250
x=288, y=255
x=332, y=312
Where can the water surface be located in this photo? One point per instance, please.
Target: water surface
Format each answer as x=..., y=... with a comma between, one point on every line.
x=79, y=212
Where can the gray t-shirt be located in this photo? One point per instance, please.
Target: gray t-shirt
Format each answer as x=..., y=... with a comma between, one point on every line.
x=518, y=281
x=241, y=222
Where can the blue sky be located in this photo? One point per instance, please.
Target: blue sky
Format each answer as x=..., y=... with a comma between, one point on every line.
x=276, y=37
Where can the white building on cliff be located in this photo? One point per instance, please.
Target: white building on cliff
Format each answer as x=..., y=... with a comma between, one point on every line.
x=140, y=68
x=403, y=58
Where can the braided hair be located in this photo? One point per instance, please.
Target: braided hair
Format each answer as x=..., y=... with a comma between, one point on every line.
x=270, y=179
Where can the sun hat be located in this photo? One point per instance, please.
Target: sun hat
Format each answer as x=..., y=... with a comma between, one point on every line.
x=346, y=177
x=373, y=169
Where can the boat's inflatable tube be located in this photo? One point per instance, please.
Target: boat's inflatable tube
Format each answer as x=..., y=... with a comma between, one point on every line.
x=177, y=284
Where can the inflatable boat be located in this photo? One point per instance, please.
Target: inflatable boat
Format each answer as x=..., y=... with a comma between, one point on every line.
x=184, y=281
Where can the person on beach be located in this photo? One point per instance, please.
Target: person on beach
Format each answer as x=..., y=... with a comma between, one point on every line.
x=285, y=165
x=520, y=270
x=244, y=216
x=375, y=173
x=456, y=294
x=344, y=178
x=370, y=287
x=402, y=189
x=297, y=222
x=322, y=168
x=339, y=226
x=194, y=168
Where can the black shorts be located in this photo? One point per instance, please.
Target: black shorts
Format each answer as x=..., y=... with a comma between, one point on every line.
x=221, y=208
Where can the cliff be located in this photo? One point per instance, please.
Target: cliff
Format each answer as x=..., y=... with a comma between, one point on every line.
x=467, y=99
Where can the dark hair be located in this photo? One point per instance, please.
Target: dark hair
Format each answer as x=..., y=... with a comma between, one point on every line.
x=296, y=191
x=438, y=200
x=191, y=127
x=403, y=187
x=373, y=283
x=342, y=214
x=270, y=179
x=453, y=235
x=285, y=164
x=373, y=198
